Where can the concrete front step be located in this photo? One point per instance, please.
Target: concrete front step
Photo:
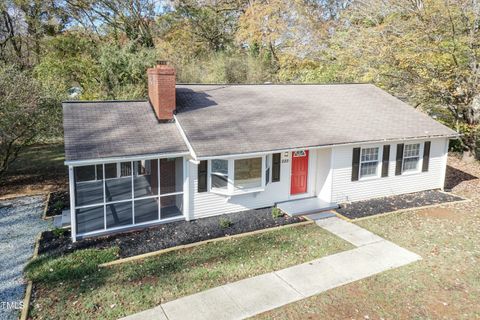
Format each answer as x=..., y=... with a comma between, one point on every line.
x=305, y=206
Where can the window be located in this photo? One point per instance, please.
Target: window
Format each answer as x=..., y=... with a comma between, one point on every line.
x=219, y=174
x=411, y=157
x=369, y=162
x=248, y=173
x=236, y=176
x=300, y=153
x=124, y=194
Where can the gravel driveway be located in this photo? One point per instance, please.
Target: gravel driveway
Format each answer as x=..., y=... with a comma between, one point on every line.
x=20, y=222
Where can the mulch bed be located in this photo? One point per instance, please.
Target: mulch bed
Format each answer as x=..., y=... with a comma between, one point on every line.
x=360, y=209
x=58, y=201
x=168, y=235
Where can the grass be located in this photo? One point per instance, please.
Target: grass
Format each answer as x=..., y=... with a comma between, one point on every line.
x=110, y=293
x=38, y=168
x=445, y=284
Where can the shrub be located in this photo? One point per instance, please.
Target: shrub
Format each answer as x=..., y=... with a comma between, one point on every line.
x=75, y=265
x=59, y=205
x=225, y=223
x=277, y=213
x=58, y=232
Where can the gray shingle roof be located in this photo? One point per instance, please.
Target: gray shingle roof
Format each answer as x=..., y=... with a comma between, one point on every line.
x=232, y=119
x=96, y=130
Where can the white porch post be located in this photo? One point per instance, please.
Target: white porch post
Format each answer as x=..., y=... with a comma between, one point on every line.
x=73, y=223
x=186, y=189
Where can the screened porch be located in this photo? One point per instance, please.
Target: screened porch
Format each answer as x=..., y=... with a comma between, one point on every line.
x=118, y=195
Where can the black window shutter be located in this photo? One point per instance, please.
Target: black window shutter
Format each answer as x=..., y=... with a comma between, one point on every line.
x=426, y=156
x=385, y=160
x=355, y=163
x=202, y=176
x=276, y=167
x=398, y=167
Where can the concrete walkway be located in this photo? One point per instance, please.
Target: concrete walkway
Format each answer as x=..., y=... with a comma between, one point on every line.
x=248, y=297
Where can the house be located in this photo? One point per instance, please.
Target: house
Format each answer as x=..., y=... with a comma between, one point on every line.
x=193, y=151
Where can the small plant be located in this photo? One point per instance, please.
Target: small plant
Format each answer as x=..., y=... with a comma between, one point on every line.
x=58, y=232
x=225, y=223
x=277, y=213
x=59, y=205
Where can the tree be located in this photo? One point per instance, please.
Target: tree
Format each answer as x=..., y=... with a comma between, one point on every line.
x=132, y=18
x=25, y=114
x=425, y=52
x=23, y=25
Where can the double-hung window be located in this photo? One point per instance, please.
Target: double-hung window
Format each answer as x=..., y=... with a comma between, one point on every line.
x=369, y=162
x=411, y=157
x=219, y=174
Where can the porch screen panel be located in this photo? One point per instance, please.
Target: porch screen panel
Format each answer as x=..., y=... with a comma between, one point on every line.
x=118, y=184
x=171, y=206
x=88, y=185
x=145, y=179
x=119, y=214
x=90, y=219
x=171, y=175
x=146, y=210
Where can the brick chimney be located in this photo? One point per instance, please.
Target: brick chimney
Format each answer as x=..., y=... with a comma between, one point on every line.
x=161, y=90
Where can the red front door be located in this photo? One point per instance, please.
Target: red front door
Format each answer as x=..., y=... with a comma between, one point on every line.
x=299, y=172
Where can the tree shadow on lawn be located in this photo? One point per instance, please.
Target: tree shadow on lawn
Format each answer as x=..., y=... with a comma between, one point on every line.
x=230, y=252
x=78, y=269
x=455, y=176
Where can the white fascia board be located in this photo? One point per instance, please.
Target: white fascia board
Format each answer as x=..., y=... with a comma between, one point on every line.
x=125, y=158
x=185, y=139
x=261, y=153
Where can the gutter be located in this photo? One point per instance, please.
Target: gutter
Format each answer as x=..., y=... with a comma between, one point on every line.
x=125, y=158
x=260, y=153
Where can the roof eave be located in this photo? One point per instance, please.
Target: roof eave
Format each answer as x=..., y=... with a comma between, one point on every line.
x=93, y=161
x=258, y=153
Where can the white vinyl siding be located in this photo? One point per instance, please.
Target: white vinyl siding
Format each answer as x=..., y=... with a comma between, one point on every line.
x=344, y=190
x=205, y=204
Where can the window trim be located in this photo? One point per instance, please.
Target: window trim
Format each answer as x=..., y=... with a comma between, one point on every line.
x=231, y=190
x=378, y=169
x=418, y=169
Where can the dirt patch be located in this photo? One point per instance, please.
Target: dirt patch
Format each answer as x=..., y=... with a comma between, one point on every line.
x=58, y=201
x=441, y=213
x=168, y=235
x=360, y=209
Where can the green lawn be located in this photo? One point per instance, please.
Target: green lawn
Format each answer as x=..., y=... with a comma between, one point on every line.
x=72, y=287
x=38, y=168
x=444, y=285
